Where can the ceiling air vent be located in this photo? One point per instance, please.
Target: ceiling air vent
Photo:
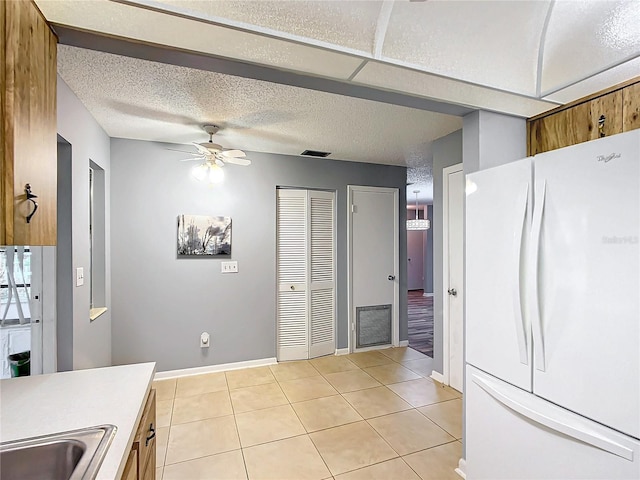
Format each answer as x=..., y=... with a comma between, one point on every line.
x=315, y=153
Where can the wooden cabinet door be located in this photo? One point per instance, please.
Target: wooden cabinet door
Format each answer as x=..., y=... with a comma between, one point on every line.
x=577, y=124
x=610, y=106
x=145, y=438
x=631, y=107
x=131, y=467
x=29, y=121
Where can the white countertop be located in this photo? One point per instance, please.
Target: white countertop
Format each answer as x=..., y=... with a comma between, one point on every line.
x=45, y=404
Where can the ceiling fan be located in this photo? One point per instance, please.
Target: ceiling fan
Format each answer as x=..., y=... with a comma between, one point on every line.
x=213, y=158
x=213, y=153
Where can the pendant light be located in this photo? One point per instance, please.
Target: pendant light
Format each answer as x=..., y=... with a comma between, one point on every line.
x=418, y=223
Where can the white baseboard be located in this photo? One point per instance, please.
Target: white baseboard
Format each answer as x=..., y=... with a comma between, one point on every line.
x=342, y=351
x=437, y=376
x=462, y=467
x=427, y=294
x=403, y=343
x=185, y=372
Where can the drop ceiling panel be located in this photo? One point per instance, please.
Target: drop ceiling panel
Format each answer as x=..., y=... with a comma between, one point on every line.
x=492, y=43
x=583, y=38
x=614, y=76
x=430, y=86
x=134, y=98
x=160, y=28
x=348, y=24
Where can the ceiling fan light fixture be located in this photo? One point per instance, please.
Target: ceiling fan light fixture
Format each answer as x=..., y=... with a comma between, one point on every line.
x=208, y=172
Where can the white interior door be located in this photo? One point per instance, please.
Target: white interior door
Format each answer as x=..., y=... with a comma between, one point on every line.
x=373, y=265
x=305, y=269
x=454, y=273
x=291, y=272
x=322, y=279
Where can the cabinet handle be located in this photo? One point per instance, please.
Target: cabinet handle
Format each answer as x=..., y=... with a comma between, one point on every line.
x=30, y=198
x=601, y=121
x=150, y=437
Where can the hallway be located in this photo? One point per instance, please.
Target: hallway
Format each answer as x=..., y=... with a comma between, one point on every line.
x=420, y=313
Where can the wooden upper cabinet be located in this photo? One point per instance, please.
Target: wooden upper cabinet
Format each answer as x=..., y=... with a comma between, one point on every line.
x=631, y=107
x=29, y=146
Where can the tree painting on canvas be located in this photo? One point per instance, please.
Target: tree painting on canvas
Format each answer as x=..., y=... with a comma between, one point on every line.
x=202, y=235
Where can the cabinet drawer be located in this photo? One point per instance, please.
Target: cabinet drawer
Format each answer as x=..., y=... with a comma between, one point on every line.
x=146, y=436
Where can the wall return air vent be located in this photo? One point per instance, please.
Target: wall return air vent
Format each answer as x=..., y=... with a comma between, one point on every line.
x=315, y=153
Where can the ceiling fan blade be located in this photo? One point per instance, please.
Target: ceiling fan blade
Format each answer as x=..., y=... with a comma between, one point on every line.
x=182, y=151
x=202, y=149
x=238, y=161
x=200, y=158
x=233, y=154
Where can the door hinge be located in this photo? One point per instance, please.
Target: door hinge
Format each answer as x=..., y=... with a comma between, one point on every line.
x=353, y=326
x=354, y=209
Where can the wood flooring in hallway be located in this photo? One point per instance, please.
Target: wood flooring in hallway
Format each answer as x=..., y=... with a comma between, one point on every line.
x=421, y=322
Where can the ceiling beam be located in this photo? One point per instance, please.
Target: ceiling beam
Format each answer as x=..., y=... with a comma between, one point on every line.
x=184, y=58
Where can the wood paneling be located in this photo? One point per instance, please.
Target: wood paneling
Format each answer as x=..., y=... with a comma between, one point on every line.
x=3, y=89
x=631, y=107
x=578, y=122
x=30, y=153
x=610, y=106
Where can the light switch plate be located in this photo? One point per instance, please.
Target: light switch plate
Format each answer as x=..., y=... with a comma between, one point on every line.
x=229, y=267
x=79, y=276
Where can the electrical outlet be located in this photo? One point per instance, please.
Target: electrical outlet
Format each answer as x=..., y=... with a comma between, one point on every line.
x=79, y=276
x=229, y=267
x=204, y=340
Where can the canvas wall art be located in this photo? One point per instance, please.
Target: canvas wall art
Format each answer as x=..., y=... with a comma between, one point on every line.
x=202, y=235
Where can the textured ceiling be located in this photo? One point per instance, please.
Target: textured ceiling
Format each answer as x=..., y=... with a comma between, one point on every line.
x=133, y=98
x=516, y=57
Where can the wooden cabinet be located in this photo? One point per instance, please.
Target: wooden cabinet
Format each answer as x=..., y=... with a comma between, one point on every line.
x=141, y=464
x=613, y=111
x=29, y=145
x=631, y=107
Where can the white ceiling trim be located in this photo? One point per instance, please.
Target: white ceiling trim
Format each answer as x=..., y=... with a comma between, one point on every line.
x=543, y=37
x=381, y=28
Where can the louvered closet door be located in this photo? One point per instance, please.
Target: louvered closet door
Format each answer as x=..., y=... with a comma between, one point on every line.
x=322, y=281
x=291, y=271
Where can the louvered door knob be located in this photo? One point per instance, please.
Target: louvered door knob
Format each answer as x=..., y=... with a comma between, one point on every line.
x=391, y=277
x=452, y=291
x=293, y=287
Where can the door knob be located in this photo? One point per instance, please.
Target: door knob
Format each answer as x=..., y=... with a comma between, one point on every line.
x=452, y=291
x=391, y=277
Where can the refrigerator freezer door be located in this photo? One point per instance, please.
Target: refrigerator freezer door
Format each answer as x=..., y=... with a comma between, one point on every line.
x=588, y=273
x=512, y=434
x=498, y=211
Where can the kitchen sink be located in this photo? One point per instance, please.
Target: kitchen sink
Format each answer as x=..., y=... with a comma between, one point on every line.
x=72, y=455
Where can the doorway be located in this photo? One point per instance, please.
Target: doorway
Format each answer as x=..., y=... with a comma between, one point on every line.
x=373, y=266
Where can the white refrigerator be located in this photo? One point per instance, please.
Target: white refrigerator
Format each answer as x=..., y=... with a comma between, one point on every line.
x=552, y=334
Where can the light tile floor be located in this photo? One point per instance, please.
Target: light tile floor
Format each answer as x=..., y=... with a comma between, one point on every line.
x=373, y=415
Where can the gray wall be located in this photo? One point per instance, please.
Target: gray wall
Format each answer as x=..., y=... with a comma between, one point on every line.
x=492, y=139
x=428, y=253
x=447, y=151
x=64, y=260
x=161, y=304
x=91, y=340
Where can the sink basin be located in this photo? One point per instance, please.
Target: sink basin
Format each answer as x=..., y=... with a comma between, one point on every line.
x=72, y=455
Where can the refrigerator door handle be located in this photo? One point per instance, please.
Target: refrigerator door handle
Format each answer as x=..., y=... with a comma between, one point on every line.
x=525, y=406
x=523, y=202
x=534, y=299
